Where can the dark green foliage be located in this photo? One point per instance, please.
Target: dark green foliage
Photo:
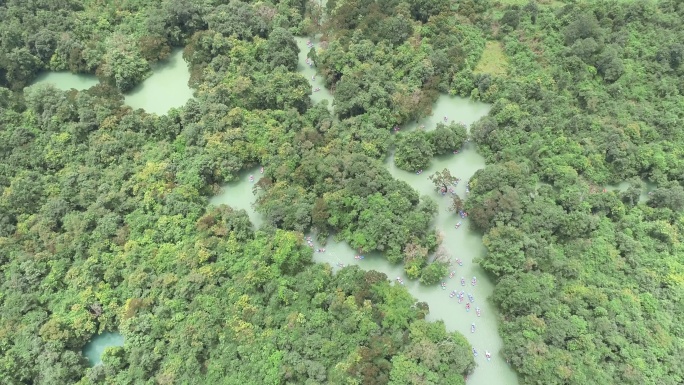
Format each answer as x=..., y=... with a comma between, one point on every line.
x=414, y=151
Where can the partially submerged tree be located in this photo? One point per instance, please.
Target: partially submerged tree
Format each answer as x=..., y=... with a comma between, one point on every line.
x=443, y=179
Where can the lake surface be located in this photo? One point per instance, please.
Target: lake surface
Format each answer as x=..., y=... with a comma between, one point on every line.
x=454, y=109
x=166, y=88
x=462, y=243
x=93, y=350
x=66, y=80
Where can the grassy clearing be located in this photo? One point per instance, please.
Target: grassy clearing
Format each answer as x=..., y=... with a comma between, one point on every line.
x=493, y=60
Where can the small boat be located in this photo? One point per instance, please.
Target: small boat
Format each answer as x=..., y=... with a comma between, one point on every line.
x=468, y=306
x=472, y=328
x=451, y=275
x=261, y=170
x=458, y=225
x=460, y=298
x=401, y=281
x=452, y=294
x=339, y=264
x=251, y=178
x=458, y=260
x=359, y=257
x=488, y=355
x=443, y=285
x=477, y=311
x=473, y=281
x=462, y=281
x=471, y=298
x=474, y=351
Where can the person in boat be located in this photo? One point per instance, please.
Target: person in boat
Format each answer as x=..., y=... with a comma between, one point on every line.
x=445, y=118
x=443, y=285
x=477, y=311
x=458, y=225
x=473, y=281
x=340, y=264
x=317, y=89
x=474, y=352
x=458, y=260
x=452, y=294
x=472, y=328
x=488, y=355
x=462, y=281
x=451, y=275
x=468, y=306
x=313, y=77
x=261, y=170
x=471, y=298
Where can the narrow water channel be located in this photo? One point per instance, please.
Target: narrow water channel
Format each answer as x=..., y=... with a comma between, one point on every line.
x=462, y=243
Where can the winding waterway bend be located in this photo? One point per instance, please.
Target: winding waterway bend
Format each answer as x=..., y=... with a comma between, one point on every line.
x=463, y=243
x=165, y=88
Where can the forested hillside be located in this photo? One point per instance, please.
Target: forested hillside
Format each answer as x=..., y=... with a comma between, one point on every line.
x=105, y=223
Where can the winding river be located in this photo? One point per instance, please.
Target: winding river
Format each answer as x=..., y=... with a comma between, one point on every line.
x=462, y=243
x=167, y=88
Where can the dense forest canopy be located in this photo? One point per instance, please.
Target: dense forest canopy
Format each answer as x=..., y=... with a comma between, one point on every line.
x=104, y=222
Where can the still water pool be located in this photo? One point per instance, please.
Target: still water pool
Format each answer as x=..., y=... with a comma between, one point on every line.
x=96, y=346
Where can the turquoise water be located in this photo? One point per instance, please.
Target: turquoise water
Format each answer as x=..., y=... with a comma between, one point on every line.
x=93, y=350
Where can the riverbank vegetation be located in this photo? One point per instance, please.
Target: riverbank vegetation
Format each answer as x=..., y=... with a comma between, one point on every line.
x=104, y=222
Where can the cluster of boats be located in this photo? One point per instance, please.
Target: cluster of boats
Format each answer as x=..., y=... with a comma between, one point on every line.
x=487, y=353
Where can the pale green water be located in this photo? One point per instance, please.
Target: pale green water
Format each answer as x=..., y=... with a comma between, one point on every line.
x=166, y=88
x=309, y=71
x=239, y=195
x=623, y=186
x=97, y=345
x=462, y=243
x=67, y=80
x=455, y=109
